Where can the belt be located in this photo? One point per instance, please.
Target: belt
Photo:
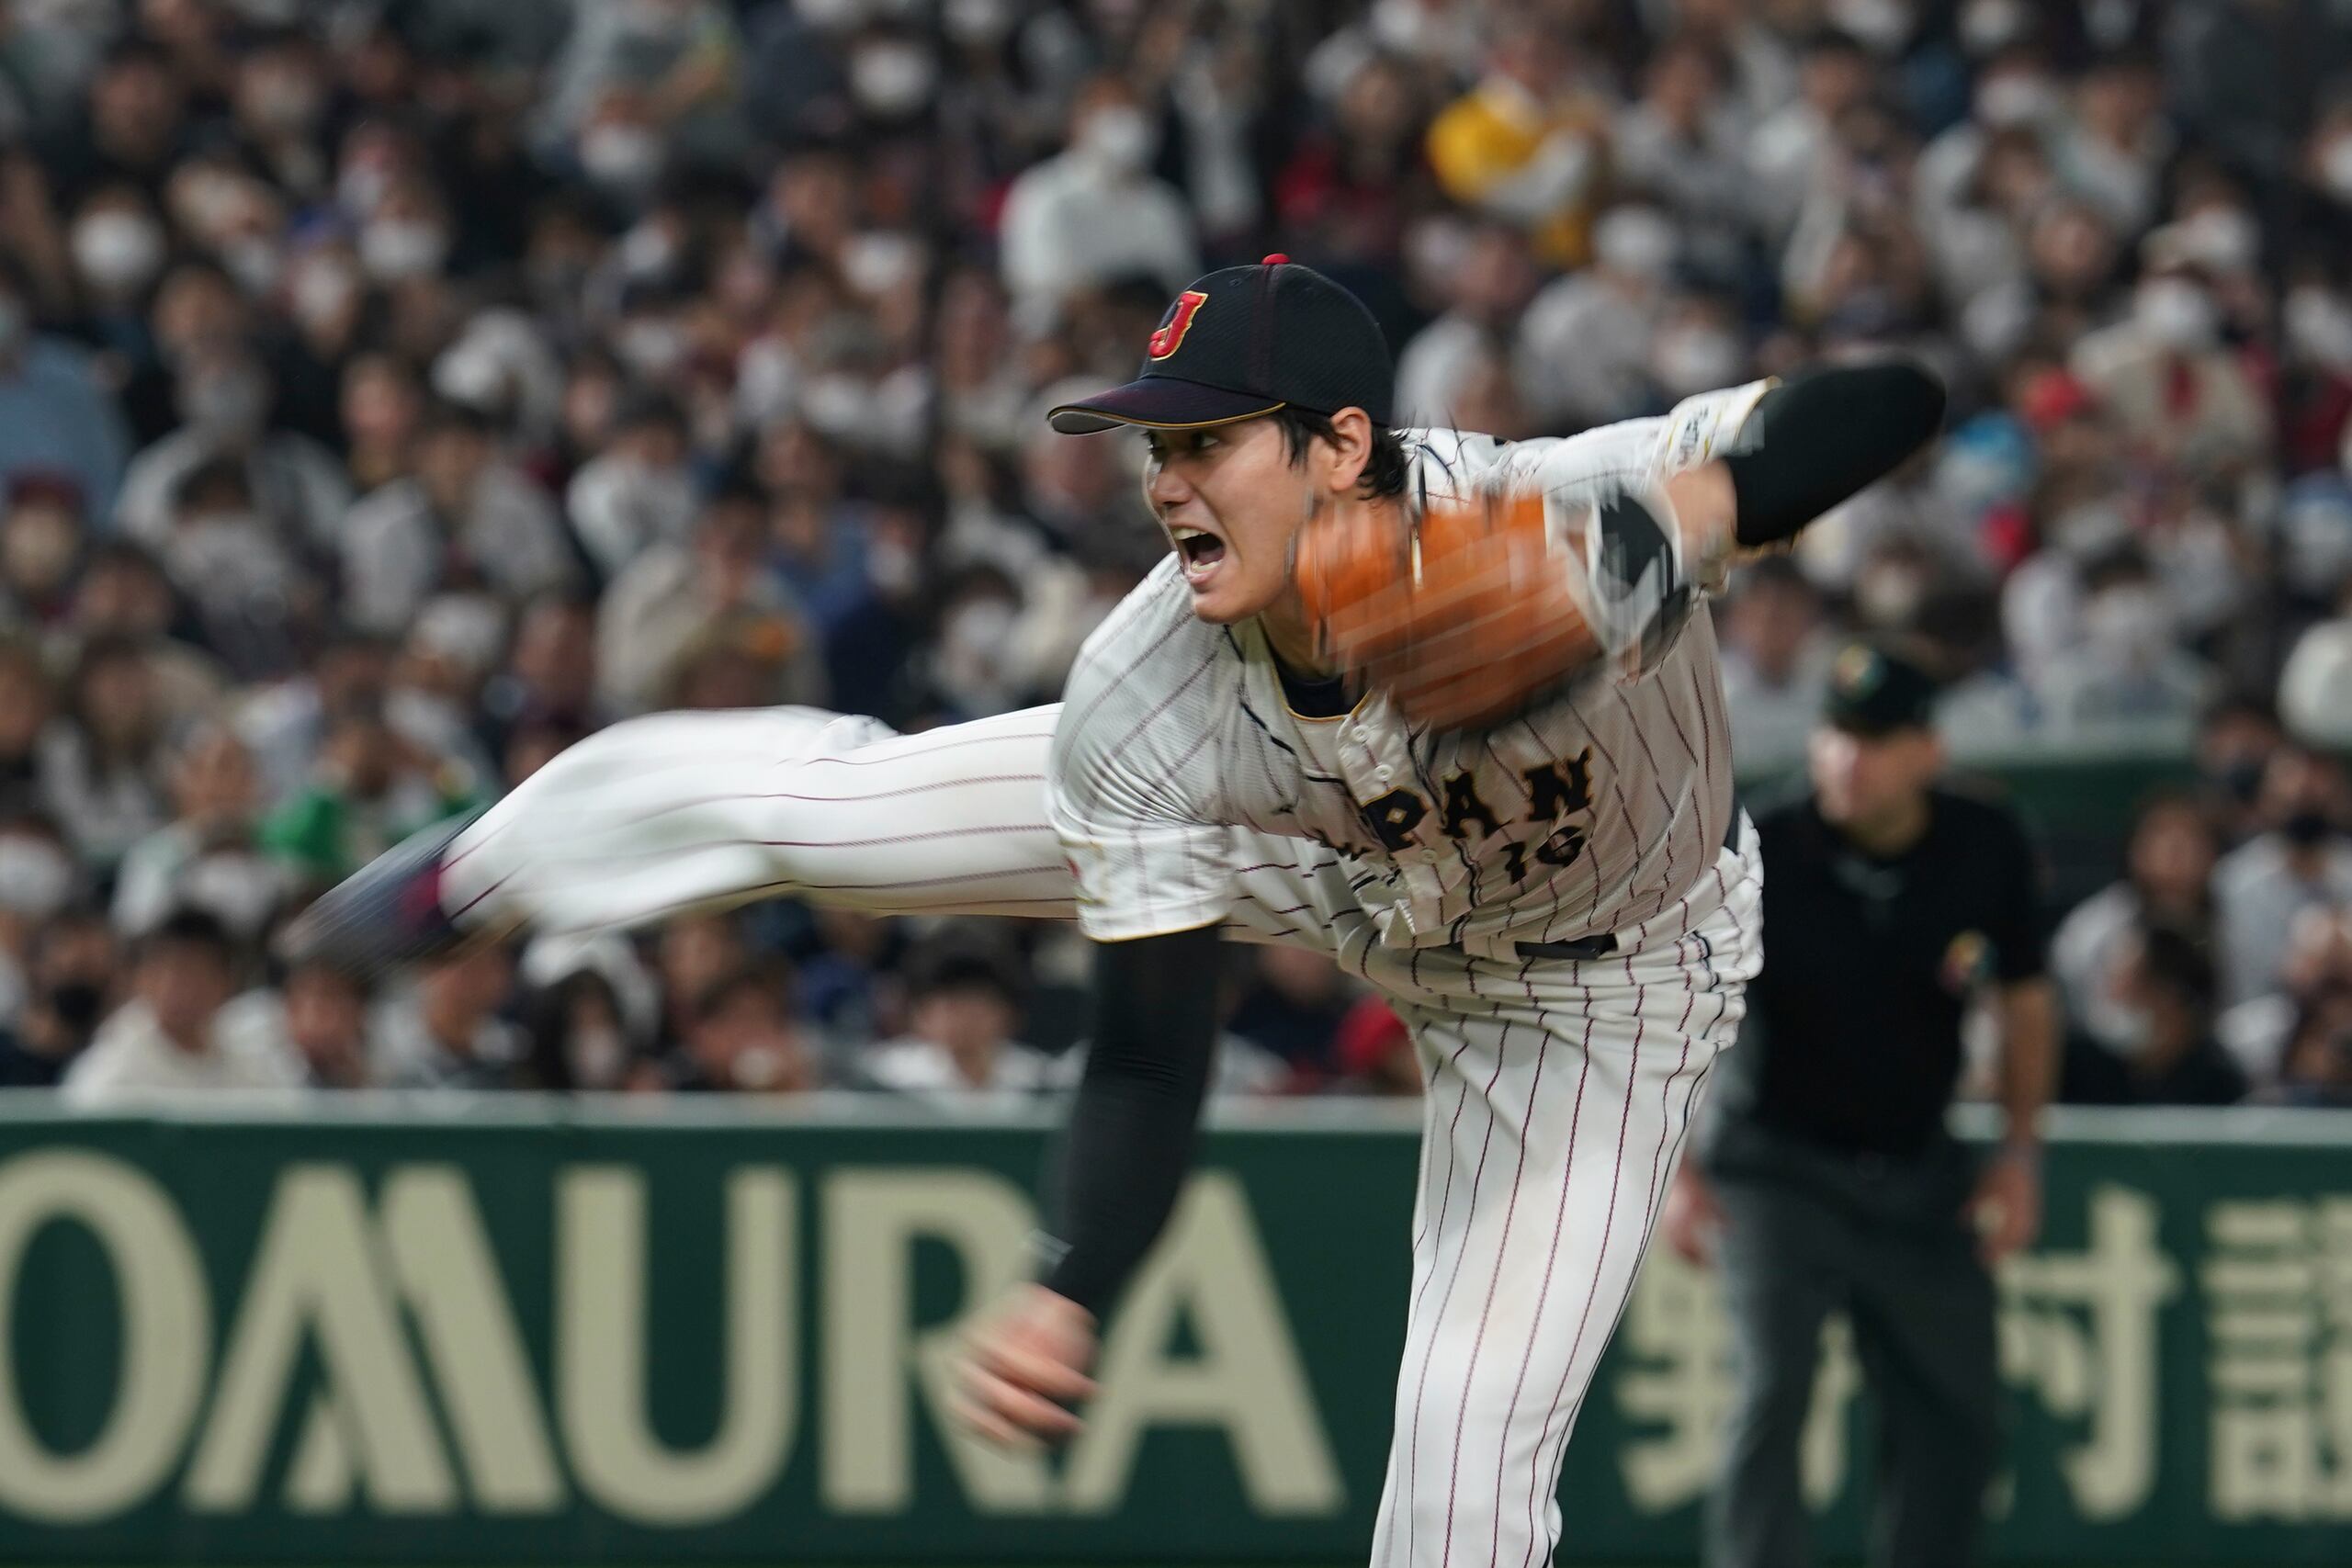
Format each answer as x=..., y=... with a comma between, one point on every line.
x=1584, y=950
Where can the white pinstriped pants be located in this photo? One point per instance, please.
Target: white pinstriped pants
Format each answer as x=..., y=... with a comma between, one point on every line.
x=1558, y=1093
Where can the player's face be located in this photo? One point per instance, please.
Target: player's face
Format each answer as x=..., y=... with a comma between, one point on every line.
x=1861, y=781
x=1231, y=500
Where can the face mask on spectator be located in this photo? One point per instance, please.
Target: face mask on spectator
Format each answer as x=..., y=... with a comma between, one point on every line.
x=396, y=249
x=1986, y=24
x=877, y=263
x=2224, y=238
x=2307, y=829
x=36, y=878
x=1888, y=595
x=2087, y=529
x=2175, y=312
x=359, y=188
x=891, y=566
x=661, y=499
x=832, y=15
x=288, y=103
x=1636, y=241
x=2134, y=623
x=1881, y=24
x=1696, y=359
x=1120, y=139
x=978, y=21
x=236, y=888
x=624, y=157
x=892, y=80
x=839, y=404
x=230, y=404
x=1403, y=27
x=2336, y=168
x=598, y=1056
x=321, y=291
x=254, y=263
x=2319, y=328
x=118, y=251
x=2013, y=100
x=652, y=349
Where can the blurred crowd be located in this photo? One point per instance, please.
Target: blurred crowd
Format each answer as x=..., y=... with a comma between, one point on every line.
x=394, y=391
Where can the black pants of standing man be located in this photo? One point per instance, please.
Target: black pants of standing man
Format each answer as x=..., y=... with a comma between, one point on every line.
x=1809, y=1230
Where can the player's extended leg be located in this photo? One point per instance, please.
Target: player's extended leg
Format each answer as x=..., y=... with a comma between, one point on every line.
x=688, y=810
x=684, y=810
x=1553, y=1125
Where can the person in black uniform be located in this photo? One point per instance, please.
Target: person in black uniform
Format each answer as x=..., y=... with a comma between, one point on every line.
x=1826, y=1180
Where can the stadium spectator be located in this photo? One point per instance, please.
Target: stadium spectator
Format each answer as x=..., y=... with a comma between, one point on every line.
x=2160, y=987
x=446, y=1033
x=742, y=1039
x=56, y=417
x=1095, y=214
x=68, y=974
x=2167, y=880
x=964, y=1004
x=208, y=856
x=166, y=1040
x=1526, y=145
x=1775, y=664
x=2300, y=862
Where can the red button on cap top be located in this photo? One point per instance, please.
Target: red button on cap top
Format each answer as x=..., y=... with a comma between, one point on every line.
x=1277, y=259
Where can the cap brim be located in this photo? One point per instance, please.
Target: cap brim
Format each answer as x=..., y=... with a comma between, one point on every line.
x=1158, y=402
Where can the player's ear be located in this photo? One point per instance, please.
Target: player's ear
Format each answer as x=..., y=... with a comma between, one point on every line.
x=1351, y=452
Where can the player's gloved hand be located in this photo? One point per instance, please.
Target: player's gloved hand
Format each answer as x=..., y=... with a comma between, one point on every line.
x=1023, y=1366
x=1478, y=606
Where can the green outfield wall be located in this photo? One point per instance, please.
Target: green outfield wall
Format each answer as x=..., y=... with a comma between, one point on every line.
x=526, y=1332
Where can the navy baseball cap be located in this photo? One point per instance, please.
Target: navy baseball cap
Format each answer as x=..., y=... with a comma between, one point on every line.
x=1875, y=692
x=1244, y=341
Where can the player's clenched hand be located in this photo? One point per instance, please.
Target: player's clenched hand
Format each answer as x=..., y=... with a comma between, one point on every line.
x=1020, y=1367
x=1692, y=1219
x=2007, y=1205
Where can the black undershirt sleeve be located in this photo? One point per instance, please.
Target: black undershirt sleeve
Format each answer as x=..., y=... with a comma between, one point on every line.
x=1812, y=441
x=1136, y=1116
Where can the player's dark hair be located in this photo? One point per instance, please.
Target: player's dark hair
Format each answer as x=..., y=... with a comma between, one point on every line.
x=1384, y=473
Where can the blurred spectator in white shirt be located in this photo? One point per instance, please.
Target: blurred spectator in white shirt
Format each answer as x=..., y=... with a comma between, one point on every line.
x=2180, y=397
x=465, y=518
x=1489, y=290
x=2129, y=682
x=445, y=1031
x=2167, y=879
x=103, y=770
x=167, y=1039
x=2300, y=862
x=318, y=1016
x=1586, y=338
x=1095, y=213
x=1682, y=144
x=639, y=491
x=672, y=596
x=2315, y=690
x=1776, y=653
x=208, y=856
x=740, y=1038
x=1787, y=152
x=299, y=491
x=959, y=1049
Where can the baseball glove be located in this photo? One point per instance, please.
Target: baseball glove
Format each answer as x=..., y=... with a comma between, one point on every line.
x=1476, y=609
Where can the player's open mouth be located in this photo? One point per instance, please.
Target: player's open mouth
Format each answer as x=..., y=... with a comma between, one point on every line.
x=1202, y=552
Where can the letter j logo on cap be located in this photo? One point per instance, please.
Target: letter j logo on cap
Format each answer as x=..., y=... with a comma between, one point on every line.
x=1179, y=321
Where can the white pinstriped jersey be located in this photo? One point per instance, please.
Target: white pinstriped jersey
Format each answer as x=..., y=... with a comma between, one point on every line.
x=1596, y=813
